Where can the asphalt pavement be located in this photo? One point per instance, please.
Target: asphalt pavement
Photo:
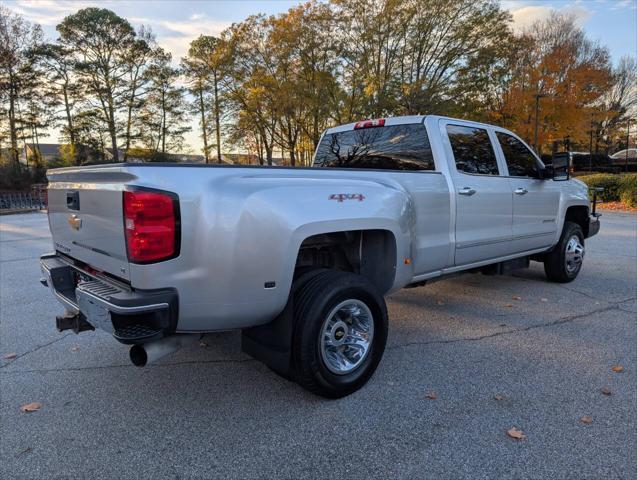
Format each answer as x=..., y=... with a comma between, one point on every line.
x=467, y=359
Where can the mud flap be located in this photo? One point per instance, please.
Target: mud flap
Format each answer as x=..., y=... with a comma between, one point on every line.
x=272, y=343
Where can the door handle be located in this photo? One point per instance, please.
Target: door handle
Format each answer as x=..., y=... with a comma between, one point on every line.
x=520, y=191
x=468, y=191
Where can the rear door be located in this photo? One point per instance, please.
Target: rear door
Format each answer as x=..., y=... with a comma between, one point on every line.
x=483, y=198
x=86, y=218
x=535, y=201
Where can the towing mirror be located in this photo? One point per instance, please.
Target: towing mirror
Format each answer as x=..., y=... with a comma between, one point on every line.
x=560, y=167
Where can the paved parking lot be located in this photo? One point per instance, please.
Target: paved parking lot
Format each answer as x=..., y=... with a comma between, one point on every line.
x=212, y=412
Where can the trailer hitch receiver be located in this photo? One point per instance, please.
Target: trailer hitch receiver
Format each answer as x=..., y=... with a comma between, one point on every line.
x=73, y=321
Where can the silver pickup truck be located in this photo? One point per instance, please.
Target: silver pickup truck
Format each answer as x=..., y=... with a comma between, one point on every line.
x=300, y=259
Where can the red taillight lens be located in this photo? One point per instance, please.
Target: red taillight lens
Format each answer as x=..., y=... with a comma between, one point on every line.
x=150, y=226
x=377, y=122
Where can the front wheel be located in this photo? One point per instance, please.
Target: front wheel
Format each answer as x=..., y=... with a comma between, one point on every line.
x=565, y=261
x=340, y=331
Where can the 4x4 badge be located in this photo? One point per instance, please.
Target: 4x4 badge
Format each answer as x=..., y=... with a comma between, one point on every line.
x=339, y=197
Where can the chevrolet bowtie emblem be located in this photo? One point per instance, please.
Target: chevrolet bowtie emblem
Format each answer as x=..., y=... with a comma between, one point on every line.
x=75, y=222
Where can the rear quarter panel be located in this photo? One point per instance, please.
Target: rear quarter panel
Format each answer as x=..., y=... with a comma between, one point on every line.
x=243, y=227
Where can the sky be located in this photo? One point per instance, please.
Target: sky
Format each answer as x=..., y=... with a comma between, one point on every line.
x=176, y=23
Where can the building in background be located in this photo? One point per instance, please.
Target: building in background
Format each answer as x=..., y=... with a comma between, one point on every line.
x=43, y=153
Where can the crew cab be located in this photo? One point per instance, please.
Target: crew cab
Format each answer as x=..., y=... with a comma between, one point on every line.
x=300, y=259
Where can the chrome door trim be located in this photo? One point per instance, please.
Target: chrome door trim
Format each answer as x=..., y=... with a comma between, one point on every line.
x=504, y=240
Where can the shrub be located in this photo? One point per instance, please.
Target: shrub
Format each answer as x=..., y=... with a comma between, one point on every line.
x=617, y=187
x=608, y=181
x=18, y=177
x=628, y=189
x=14, y=176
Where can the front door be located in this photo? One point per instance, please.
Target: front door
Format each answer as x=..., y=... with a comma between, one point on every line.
x=535, y=201
x=483, y=198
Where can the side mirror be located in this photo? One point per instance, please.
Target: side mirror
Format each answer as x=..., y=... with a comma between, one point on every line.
x=560, y=168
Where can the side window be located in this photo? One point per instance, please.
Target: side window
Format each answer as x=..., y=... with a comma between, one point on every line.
x=520, y=160
x=472, y=150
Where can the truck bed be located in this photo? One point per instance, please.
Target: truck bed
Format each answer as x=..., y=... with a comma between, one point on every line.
x=241, y=228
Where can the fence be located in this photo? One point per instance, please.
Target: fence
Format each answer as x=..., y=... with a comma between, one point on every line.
x=23, y=200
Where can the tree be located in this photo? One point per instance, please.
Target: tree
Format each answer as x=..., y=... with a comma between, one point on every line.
x=305, y=55
x=62, y=90
x=565, y=73
x=196, y=74
x=251, y=80
x=18, y=39
x=245, y=135
x=100, y=41
x=451, y=50
x=163, y=116
x=206, y=69
x=137, y=58
x=318, y=50
x=617, y=106
x=373, y=39
x=91, y=132
x=276, y=82
x=282, y=79
x=418, y=56
x=32, y=108
x=35, y=115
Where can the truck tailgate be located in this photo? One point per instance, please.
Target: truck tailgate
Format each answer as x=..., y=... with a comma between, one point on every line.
x=86, y=217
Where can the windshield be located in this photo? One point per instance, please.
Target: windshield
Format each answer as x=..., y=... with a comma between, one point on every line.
x=395, y=147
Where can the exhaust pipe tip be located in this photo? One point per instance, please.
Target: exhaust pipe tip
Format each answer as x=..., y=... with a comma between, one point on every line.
x=143, y=354
x=138, y=355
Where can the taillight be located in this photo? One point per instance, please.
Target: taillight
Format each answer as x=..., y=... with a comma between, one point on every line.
x=377, y=122
x=150, y=223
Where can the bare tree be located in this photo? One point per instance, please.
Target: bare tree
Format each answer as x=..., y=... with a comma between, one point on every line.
x=18, y=38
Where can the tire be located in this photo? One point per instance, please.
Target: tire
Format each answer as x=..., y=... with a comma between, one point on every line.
x=564, y=262
x=332, y=311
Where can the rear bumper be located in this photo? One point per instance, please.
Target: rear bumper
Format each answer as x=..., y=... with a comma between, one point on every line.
x=131, y=316
x=593, y=225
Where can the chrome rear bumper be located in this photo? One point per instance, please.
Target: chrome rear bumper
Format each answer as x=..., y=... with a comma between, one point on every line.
x=132, y=316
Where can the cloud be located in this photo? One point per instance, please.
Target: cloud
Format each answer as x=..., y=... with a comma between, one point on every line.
x=631, y=4
x=172, y=34
x=525, y=16
x=50, y=12
x=175, y=36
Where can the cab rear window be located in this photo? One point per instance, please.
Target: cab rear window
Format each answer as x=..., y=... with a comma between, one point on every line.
x=394, y=147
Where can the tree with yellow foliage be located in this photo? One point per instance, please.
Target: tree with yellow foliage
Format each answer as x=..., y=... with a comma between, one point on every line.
x=556, y=71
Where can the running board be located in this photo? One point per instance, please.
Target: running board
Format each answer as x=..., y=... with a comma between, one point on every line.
x=506, y=267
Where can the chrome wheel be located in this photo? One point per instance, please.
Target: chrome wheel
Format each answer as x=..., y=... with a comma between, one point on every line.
x=346, y=336
x=574, y=254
